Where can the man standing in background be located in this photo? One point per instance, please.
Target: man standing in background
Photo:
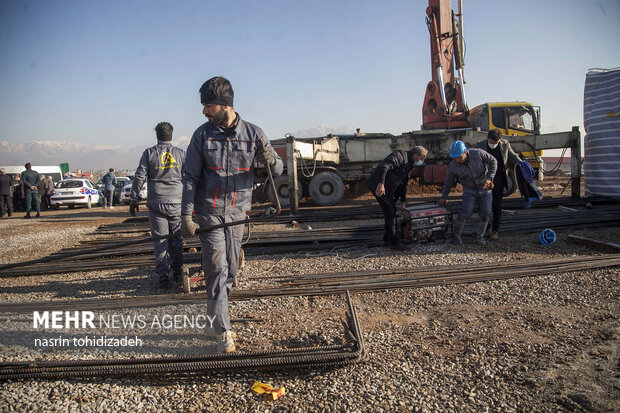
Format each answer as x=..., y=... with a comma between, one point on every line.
x=6, y=194
x=109, y=183
x=30, y=181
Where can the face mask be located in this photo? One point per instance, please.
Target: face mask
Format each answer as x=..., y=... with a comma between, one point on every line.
x=418, y=163
x=493, y=145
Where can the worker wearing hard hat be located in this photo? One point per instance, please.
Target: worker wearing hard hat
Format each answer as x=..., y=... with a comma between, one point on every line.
x=474, y=169
x=388, y=183
x=506, y=159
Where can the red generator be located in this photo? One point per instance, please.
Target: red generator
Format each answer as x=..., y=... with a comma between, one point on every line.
x=424, y=223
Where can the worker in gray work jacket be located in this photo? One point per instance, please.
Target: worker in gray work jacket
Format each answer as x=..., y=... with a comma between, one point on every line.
x=219, y=174
x=474, y=169
x=161, y=169
x=506, y=160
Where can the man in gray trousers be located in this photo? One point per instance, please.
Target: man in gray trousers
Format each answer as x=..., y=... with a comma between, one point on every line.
x=474, y=169
x=219, y=174
x=161, y=169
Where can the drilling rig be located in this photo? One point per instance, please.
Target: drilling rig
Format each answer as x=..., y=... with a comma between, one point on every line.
x=321, y=167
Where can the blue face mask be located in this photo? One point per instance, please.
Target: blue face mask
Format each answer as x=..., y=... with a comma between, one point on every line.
x=418, y=163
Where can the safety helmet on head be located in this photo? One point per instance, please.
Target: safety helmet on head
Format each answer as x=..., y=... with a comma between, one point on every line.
x=457, y=148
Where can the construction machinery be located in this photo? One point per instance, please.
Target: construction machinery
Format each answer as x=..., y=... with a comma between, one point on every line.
x=321, y=167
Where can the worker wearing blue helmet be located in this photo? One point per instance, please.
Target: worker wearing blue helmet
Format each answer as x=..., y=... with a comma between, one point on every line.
x=474, y=169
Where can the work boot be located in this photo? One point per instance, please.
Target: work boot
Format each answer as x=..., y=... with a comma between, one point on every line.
x=457, y=230
x=177, y=274
x=482, y=227
x=400, y=247
x=225, y=342
x=164, y=283
x=27, y=215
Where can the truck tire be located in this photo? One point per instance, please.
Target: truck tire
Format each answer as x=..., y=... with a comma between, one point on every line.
x=282, y=190
x=326, y=188
x=511, y=184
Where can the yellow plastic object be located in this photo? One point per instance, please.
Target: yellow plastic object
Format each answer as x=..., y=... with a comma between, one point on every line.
x=270, y=392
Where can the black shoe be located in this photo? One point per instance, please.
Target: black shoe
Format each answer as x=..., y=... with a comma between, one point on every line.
x=38, y=215
x=27, y=216
x=164, y=283
x=177, y=275
x=400, y=247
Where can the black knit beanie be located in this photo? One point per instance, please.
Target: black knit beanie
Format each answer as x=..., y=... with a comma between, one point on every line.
x=217, y=90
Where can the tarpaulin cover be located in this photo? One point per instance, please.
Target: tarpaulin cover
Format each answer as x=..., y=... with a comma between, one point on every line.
x=601, y=118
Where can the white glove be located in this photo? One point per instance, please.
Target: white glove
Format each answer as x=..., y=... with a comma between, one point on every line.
x=188, y=226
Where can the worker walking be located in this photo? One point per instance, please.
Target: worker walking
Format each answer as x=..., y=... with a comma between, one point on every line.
x=219, y=172
x=474, y=169
x=30, y=181
x=506, y=160
x=161, y=169
x=388, y=183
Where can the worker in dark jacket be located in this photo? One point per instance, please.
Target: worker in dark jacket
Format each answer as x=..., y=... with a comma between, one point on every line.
x=6, y=194
x=506, y=160
x=388, y=183
x=161, y=169
x=218, y=181
x=474, y=169
x=30, y=181
x=109, y=184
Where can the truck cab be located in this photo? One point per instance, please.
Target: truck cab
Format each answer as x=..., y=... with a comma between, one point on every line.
x=512, y=119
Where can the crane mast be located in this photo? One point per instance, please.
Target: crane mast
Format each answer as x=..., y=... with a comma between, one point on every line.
x=444, y=105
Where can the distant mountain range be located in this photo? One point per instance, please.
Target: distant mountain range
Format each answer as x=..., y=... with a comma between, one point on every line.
x=102, y=157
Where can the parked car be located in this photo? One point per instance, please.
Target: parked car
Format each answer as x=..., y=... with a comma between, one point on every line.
x=72, y=192
x=126, y=193
x=121, y=181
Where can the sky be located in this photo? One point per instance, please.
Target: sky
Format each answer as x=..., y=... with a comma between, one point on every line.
x=101, y=74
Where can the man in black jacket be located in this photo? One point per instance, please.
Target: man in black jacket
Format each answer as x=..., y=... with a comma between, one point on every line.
x=31, y=180
x=388, y=183
x=6, y=194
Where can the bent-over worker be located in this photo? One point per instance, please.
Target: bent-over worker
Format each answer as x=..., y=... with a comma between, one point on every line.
x=388, y=183
x=474, y=169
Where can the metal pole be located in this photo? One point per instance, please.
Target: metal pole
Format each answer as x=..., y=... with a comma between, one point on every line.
x=291, y=169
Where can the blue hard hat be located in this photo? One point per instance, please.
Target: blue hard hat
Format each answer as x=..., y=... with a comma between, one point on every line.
x=547, y=236
x=457, y=148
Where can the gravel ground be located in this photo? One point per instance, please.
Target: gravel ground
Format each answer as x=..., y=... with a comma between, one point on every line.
x=544, y=344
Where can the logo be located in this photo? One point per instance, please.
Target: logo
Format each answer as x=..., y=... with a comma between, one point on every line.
x=167, y=161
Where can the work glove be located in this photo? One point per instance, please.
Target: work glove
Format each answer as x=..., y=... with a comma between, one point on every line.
x=133, y=207
x=188, y=226
x=264, y=155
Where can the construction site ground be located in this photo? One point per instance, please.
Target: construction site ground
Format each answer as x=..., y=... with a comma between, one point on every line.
x=545, y=343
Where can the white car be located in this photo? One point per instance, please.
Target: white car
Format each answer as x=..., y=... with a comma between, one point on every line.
x=72, y=192
x=126, y=194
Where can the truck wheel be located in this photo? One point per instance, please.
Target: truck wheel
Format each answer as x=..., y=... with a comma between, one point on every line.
x=326, y=188
x=511, y=184
x=282, y=190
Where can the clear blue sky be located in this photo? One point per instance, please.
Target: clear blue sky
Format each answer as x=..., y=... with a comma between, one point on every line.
x=105, y=72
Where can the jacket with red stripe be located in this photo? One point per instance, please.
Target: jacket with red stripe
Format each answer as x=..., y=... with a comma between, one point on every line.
x=219, y=168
